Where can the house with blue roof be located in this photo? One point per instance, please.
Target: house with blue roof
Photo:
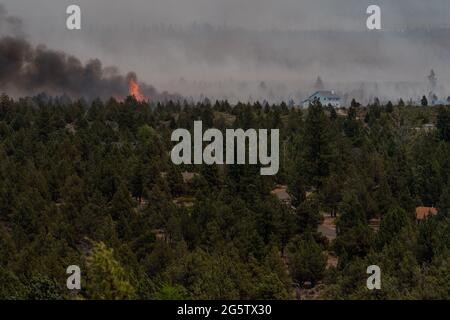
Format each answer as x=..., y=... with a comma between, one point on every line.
x=326, y=98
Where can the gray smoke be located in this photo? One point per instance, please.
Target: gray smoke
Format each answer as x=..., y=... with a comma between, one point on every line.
x=258, y=49
x=33, y=69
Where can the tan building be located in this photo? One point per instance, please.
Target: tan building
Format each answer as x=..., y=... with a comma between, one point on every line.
x=423, y=212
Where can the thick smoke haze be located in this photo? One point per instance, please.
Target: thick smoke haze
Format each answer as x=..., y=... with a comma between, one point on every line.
x=29, y=69
x=255, y=49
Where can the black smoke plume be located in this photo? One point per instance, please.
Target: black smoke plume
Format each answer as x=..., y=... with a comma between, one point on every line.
x=30, y=69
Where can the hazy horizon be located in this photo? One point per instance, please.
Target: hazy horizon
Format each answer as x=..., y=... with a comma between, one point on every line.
x=254, y=49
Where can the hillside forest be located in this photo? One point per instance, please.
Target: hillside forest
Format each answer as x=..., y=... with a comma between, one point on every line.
x=92, y=184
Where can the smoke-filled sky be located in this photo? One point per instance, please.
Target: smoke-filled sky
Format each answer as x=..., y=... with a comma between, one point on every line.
x=226, y=48
x=254, y=14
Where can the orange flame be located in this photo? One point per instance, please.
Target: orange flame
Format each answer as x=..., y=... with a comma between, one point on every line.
x=135, y=90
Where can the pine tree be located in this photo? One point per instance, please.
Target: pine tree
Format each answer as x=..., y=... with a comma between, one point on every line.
x=394, y=221
x=318, y=145
x=424, y=101
x=306, y=260
x=106, y=278
x=443, y=123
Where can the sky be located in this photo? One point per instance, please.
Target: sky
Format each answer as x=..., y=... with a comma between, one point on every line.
x=226, y=48
x=254, y=14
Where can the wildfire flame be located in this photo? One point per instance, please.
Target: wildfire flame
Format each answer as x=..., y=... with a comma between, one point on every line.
x=135, y=90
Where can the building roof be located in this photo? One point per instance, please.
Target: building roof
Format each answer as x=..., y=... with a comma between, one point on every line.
x=423, y=212
x=324, y=94
x=328, y=227
x=281, y=193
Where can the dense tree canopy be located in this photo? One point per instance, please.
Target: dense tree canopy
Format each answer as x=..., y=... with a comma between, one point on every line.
x=92, y=184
